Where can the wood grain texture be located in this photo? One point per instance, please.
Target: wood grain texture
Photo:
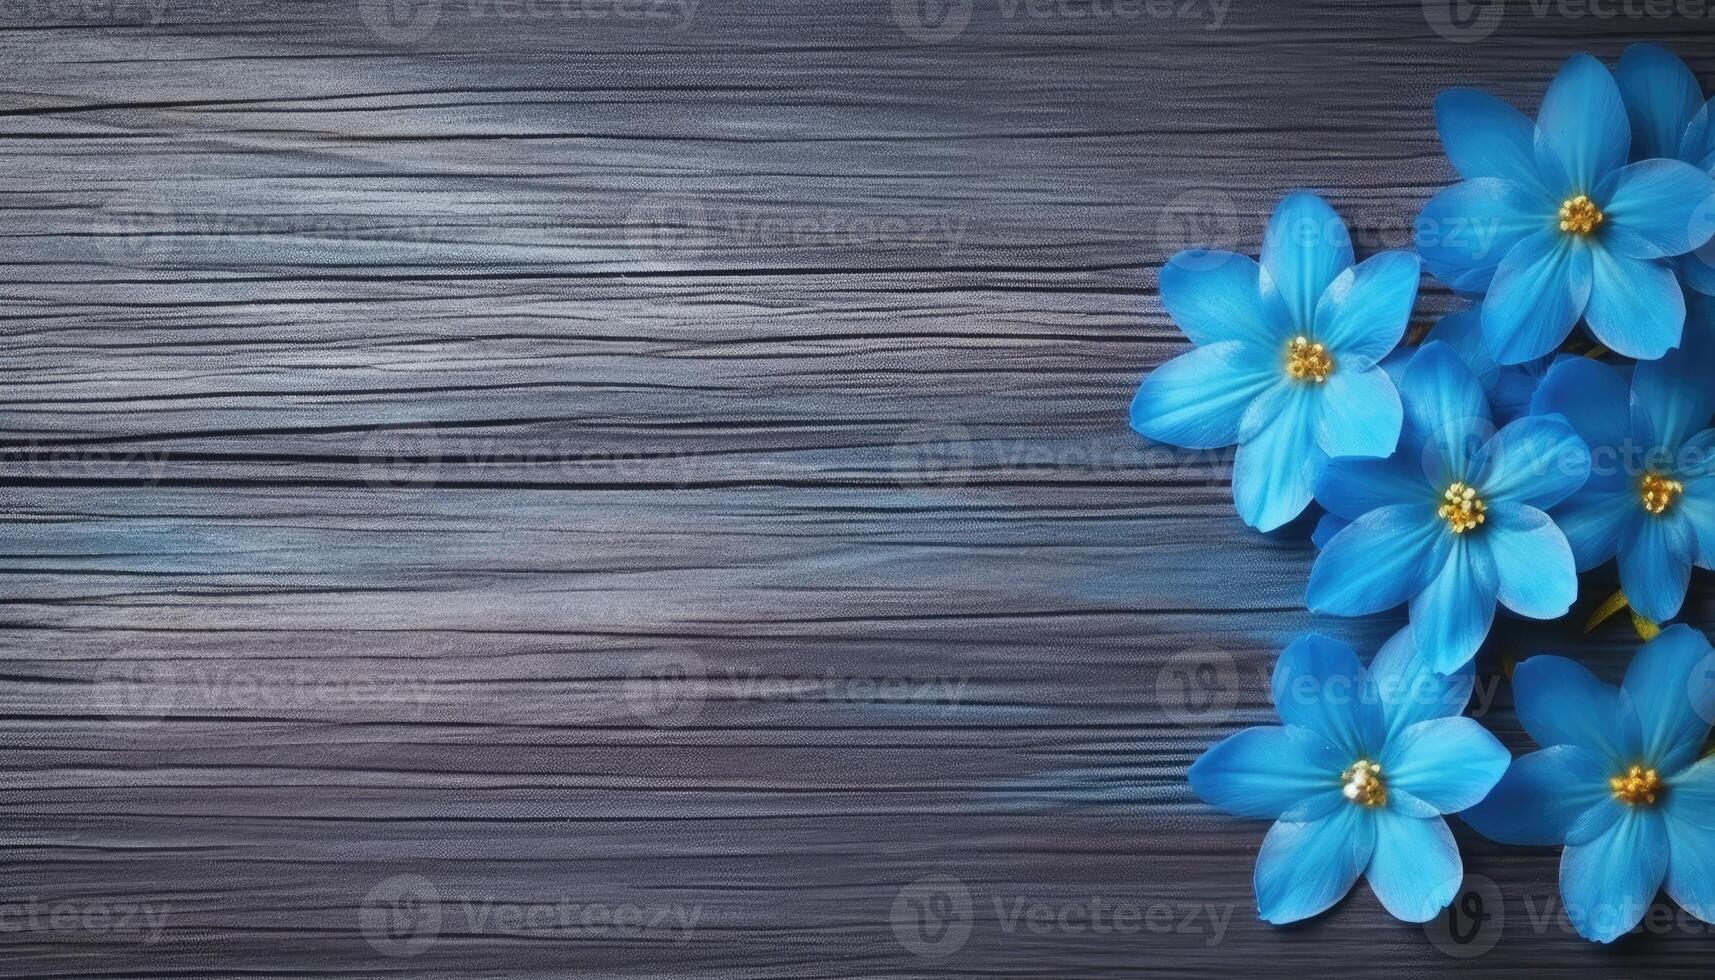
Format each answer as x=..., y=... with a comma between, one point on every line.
x=672, y=467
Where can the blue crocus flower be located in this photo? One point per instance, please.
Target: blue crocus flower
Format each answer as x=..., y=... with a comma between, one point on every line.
x=1356, y=780
x=1670, y=119
x=1617, y=781
x=1449, y=522
x=1286, y=355
x=1651, y=494
x=1508, y=387
x=1554, y=225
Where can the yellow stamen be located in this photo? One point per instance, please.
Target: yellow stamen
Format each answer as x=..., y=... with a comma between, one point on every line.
x=1579, y=215
x=1461, y=508
x=1659, y=493
x=1362, y=784
x=1636, y=786
x=1308, y=361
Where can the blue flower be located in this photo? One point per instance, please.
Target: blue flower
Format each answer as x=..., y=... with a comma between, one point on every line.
x=1554, y=225
x=1670, y=119
x=1449, y=522
x=1356, y=780
x=1617, y=781
x=1651, y=494
x=1285, y=358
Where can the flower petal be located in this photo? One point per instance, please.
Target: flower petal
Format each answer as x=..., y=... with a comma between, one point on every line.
x=1328, y=526
x=1416, y=870
x=1559, y=702
x=1661, y=97
x=1485, y=137
x=1452, y=615
x=1449, y=763
x=1463, y=331
x=1672, y=700
x=1676, y=391
x=1608, y=884
x=1360, y=414
x=1258, y=772
x=1353, y=487
x=1304, y=868
x=1651, y=210
x=1540, y=290
x=1318, y=684
x=1198, y=399
x=1217, y=296
x=1592, y=520
x=1363, y=313
x=1697, y=269
x=1538, y=577
x=1384, y=558
x=1465, y=231
x=1537, y=460
x=1275, y=470
x=1583, y=122
x=1691, y=791
x=1636, y=306
x=1591, y=396
x=1655, y=562
x=1409, y=690
x=1305, y=247
x=1444, y=409
x=1690, y=867
x=1541, y=796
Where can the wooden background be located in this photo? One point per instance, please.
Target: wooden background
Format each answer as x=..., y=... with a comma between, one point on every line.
x=672, y=465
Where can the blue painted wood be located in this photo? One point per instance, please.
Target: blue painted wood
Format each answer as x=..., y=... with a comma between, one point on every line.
x=503, y=491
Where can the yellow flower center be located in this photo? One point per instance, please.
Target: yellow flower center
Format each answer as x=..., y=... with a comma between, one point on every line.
x=1636, y=786
x=1307, y=361
x=1362, y=784
x=1461, y=508
x=1580, y=215
x=1658, y=492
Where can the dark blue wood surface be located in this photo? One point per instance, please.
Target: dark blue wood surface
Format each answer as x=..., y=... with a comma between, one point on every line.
x=556, y=489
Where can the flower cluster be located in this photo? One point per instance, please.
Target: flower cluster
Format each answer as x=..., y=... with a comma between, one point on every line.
x=1488, y=465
